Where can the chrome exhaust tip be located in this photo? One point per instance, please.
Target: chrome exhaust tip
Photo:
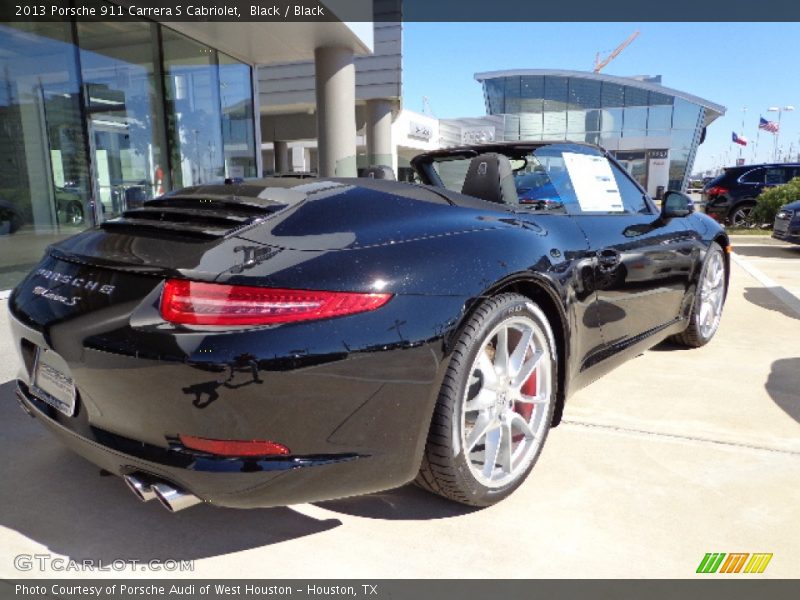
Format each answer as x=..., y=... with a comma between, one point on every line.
x=174, y=499
x=141, y=488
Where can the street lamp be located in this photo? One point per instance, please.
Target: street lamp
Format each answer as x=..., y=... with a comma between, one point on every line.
x=780, y=110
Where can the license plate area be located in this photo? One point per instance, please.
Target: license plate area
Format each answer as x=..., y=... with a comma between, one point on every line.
x=52, y=382
x=781, y=225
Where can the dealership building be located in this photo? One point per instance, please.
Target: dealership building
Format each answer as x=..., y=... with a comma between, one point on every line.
x=99, y=116
x=96, y=117
x=654, y=131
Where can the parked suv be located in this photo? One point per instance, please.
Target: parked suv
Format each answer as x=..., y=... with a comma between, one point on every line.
x=731, y=197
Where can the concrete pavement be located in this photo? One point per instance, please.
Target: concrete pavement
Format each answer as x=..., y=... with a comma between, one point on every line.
x=675, y=454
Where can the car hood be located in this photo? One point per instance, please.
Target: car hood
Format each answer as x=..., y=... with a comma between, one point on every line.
x=792, y=205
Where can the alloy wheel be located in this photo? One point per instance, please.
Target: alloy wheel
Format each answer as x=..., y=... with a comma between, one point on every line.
x=741, y=217
x=505, y=405
x=712, y=295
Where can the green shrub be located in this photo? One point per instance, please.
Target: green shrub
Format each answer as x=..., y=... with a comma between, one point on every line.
x=769, y=202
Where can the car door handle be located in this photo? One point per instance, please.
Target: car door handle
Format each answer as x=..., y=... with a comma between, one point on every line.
x=608, y=258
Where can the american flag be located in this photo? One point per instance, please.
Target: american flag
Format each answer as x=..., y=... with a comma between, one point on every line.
x=770, y=126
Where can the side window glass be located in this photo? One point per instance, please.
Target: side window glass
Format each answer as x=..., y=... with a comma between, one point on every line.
x=632, y=197
x=775, y=176
x=754, y=176
x=452, y=172
x=587, y=183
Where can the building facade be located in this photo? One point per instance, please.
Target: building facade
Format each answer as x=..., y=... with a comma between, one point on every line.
x=97, y=117
x=654, y=131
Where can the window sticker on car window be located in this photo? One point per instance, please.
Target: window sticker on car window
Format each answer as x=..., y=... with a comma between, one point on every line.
x=594, y=183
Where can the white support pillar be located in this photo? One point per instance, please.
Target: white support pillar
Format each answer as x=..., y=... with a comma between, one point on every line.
x=379, y=132
x=336, y=111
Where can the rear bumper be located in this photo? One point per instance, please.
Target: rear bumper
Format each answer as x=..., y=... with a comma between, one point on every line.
x=223, y=482
x=355, y=422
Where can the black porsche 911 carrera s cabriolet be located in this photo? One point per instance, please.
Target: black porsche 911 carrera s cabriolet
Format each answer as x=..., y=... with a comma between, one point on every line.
x=279, y=341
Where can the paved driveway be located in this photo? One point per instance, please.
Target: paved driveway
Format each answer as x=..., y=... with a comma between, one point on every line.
x=676, y=454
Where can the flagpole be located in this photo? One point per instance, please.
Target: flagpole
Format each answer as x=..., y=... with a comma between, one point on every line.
x=741, y=148
x=755, y=146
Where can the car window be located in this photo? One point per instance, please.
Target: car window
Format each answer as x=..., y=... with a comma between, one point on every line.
x=588, y=183
x=776, y=176
x=754, y=176
x=633, y=198
x=452, y=172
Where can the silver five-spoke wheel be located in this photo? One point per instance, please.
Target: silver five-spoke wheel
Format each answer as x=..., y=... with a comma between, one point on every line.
x=496, y=403
x=712, y=295
x=506, y=401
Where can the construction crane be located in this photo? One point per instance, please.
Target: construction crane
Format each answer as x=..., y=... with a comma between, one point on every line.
x=599, y=65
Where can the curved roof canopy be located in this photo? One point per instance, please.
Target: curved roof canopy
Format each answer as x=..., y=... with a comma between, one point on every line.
x=713, y=110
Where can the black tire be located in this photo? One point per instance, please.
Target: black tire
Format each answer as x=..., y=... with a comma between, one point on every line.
x=695, y=335
x=445, y=469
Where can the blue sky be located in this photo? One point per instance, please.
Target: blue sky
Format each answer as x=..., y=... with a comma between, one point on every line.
x=737, y=65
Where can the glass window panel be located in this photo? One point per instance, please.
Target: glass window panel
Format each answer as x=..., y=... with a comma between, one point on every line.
x=44, y=179
x=659, y=117
x=555, y=94
x=754, y=176
x=576, y=121
x=511, y=127
x=512, y=94
x=679, y=155
x=583, y=120
x=532, y=94
x=592, y=137
x=125, y=111
x=612, y=95
x=452, y=172
x=685, y=114
x=611, y=120
x=495, y=96
x=530, y=124
x=632, y=196
x=635, y=119
x=584, y=93
x=635, y=96
x=659, y=99
x=635, y=133
x=193, y=115
x=555, y=125
x=236, y=99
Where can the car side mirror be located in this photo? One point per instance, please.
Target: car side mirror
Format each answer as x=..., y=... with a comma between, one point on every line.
x=675, y=205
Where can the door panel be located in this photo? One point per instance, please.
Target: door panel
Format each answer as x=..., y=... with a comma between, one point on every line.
x=642, y=271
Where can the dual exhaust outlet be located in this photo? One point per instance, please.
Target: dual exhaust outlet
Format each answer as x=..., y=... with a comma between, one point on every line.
x=170, y=496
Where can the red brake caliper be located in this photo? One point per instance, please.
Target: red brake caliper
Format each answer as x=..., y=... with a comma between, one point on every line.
x=525, y=410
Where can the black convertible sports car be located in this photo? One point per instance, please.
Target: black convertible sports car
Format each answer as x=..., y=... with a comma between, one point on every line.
x=288, y=340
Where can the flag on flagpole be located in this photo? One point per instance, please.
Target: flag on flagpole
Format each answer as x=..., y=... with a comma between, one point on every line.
x=738, y=139
x=770, y=126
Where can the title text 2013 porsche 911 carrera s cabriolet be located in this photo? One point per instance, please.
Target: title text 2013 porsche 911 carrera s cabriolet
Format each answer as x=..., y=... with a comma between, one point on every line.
x=286, y=340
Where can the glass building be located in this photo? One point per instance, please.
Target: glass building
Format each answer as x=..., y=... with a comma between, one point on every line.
x=96, y=117
x=652, y=130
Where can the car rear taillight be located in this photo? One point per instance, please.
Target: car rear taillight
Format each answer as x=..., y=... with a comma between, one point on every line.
x=234, y=447
x=198, y=303
x=717, y=190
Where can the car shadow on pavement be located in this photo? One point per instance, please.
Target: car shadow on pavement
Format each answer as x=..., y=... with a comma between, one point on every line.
x=764, y=298
x=768, y=251
x=58, y=500
x=408, y=503
x=783, y=384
